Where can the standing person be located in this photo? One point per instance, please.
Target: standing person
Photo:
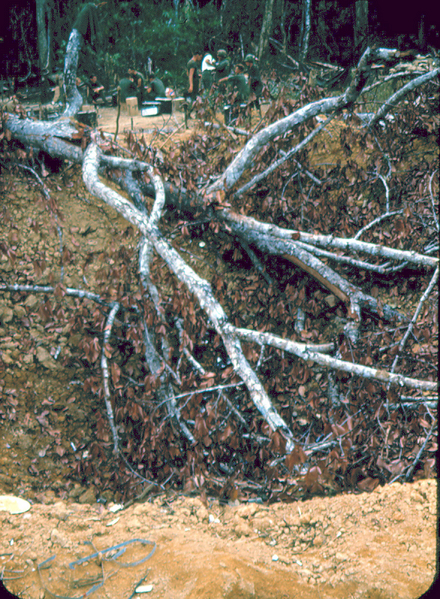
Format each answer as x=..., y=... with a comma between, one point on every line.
x=255, y=82
x=208, y=66
x=223, y=65
x=222, y=69
x=239, y=83
x=139, y=82
x=192, y=68
x=240, y=89
x=155, y=88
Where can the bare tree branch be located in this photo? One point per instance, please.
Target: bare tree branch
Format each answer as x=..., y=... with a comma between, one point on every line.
x=282, y=160
x=410, y=328
x=327, y=241
x=432, y=200
x=401, y=93
x=246, y=156
x=195, y=284
x=303, y=351
x=376, y=221
x=105, y=375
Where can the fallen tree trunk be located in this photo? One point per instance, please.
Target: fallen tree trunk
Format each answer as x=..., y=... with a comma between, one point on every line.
x=195, y=284
x=59, y=139
x=62, y=139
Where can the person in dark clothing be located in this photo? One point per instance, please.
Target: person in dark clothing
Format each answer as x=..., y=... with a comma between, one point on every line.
x=95, y=91
x=139, y=82
x=192, y=69
x=255, y=83
x=240, y=87
x=126, y=89
x=222, y=66
x=155, y=88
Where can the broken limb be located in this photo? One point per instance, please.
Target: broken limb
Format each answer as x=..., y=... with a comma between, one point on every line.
x=353, y=297
x=376, y=221
x=256, y=262
x=57, y=138
x=246, y=156
x=432, y=201
x=390, y=78
x=380, y=268
x=326, y=241
x=410, y=328
x=105, y=375
x=182, y=200
x=304, y=352
x=157, y=364
x=198, y=286
x=49, y=289
x=282, y=160
x=401, y=93
x=411, y=468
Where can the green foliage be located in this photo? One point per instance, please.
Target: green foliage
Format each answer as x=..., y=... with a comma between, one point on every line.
x=134, y=32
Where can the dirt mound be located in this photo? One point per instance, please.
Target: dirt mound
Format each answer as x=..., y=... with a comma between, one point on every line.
x=379, y=545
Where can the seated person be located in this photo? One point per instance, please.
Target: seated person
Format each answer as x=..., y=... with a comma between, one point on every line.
x=126, y=89
x=155, y=88
x=139, y=83
x=82, y=87
x=95, y=90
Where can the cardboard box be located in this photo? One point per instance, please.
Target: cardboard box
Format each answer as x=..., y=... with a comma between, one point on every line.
x=132, y=107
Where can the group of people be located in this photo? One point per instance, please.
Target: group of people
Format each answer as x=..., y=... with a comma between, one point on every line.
x=244, y=81
x=206, y=76
x=131, y=85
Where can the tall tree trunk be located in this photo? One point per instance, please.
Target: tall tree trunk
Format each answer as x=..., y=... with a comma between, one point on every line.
x=266, y=28
x=361, y=26
x=305, y=30
x=44, y=19
x=282, y=13
x=421, y=35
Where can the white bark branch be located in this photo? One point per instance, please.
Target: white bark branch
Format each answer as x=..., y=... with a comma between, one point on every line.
x=304, y=352
x=401, y=93
x=49, y=289
x=195, y=284
x=380, y=268
x=376, y=221
x=282, y=160
x=256, y=233
x=423, y=299
x=105, y=376
x=56, y=138
x=327, y=241
x=432, y=200
x=246, y=156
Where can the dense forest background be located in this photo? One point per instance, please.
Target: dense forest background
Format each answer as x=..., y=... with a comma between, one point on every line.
x=164, y=33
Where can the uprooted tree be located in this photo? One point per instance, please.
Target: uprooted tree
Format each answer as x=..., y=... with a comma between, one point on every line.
x=238, y=384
